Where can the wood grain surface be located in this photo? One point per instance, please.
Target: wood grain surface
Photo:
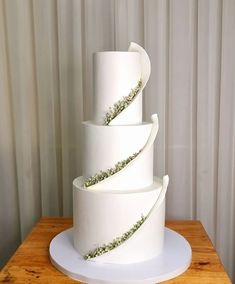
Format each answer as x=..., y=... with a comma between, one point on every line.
x=31, y=263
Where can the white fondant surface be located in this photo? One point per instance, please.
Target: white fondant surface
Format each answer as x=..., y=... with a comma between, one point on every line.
x=123, y=178
x=115, y=74
x=104, y=146
x=174, y=260
x=108, y=209
x=100, y=217
x=145, y=66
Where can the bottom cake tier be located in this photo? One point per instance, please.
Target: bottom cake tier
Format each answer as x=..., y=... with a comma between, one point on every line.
x=118, y=226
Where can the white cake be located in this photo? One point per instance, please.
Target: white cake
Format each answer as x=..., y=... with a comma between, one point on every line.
x=119, y=206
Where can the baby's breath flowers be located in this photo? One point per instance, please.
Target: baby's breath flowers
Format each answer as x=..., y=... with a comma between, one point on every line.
x=116, y=242
x=109, y=172
x=119, y=106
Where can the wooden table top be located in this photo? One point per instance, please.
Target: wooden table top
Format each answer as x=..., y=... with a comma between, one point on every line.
x=31, y=263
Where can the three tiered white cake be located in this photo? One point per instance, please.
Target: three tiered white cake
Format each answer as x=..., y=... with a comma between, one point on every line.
x=119, y=206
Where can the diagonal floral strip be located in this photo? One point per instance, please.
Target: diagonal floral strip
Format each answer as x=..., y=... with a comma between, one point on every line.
x=103, y=177
x=109, y=172
x=120, y=240
x=119, y=106
x=116, y=242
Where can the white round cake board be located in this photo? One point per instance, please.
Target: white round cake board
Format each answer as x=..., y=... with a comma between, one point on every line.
x=174, y=260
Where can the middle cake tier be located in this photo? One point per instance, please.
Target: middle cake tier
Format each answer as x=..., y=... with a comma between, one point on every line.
x=117, y=153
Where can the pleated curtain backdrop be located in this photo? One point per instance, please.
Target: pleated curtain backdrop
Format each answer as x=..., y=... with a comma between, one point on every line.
x=46, y=90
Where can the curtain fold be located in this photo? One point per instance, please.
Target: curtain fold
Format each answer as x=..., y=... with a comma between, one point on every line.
x=46, y=92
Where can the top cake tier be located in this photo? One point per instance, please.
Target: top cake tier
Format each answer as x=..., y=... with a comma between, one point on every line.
x=119, y=78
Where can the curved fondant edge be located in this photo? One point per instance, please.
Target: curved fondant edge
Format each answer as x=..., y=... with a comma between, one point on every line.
x=145, y=73
x=148, y=144
x=157, y=204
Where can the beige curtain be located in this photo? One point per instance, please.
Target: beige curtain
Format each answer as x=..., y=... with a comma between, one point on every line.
x=46, y=51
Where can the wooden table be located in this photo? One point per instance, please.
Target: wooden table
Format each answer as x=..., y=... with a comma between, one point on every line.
x=31, y=264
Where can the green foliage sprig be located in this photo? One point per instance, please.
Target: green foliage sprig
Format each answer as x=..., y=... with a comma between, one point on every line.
x=116, y=242
x=109, y=172
x=119, y=106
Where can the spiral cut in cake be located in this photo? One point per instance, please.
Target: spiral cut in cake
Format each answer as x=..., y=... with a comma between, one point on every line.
x=119, y=79
x=124, y=168
x=122, y=104
x=126, y=236
x=119, y=206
